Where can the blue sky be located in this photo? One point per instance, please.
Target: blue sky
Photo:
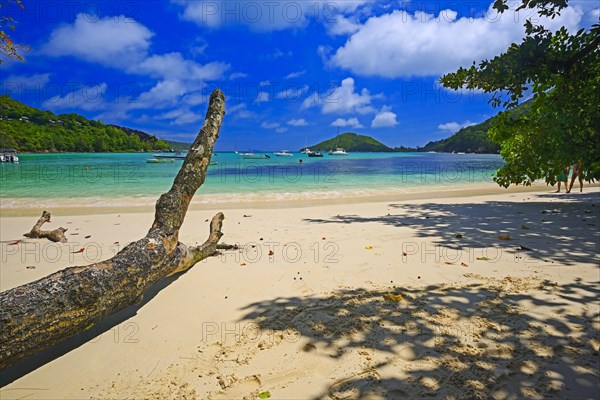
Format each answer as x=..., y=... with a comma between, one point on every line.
x=292, y=71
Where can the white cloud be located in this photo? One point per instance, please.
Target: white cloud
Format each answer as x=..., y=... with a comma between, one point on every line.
x=262, y=97
x=181, y=116
x=281, y=129
x=292, y=93
x=174, y=66
x=237, y=75
x=265, y=83
x=453, y=126
x=265, y=16
x=384, y=119
x=240, y=111
x=297, y=122
x=342, y=100
x=343, y=26
x=270, y=125
x=88, y=98
x=164, y=94
x=420, y=44
x=20, y=83
x=113, y=41
x=296, y=74
x=350, y=122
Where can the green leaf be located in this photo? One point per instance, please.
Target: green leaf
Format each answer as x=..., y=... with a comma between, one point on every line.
x=264, y=395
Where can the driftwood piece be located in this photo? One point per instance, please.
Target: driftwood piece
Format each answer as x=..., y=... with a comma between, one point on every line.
x=56, y=235
x=48, y=311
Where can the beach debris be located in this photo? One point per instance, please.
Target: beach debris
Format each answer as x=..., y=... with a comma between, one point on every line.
x=458, y=236
x=396, y=298
x=247, y=216
x=464, y=264
x=81, y=250
x=271, y=252
x=30, y=267
x=368, y=247
x=448, y=263
x=16, y=242
x=525, y=248
x=308, y=347
x=206, y=220
x=524, y=227
x=74, y=234
x=261, y=239
x=242, y=264
x=225, y=246
x=56, y=235
x=483, y=258
x=404, y=253
x=88, y=236
x=323, y=238
x=264, y=395
x=504, y=237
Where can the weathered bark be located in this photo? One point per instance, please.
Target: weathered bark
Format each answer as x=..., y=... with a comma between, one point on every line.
x=56, y=235
x=46, y=312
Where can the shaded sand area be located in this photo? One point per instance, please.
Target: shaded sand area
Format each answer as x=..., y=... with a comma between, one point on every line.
x=486, y=296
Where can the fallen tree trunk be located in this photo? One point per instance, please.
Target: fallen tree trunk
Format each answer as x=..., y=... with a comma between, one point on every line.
x=56, y=235
x=48, y=311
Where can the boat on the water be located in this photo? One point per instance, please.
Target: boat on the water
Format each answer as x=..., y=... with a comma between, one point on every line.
x=284, y=153
x=8, y=156
x=311, y=153
x=160, y=160
x=254, y=156
x=170, y=161
x=176, y=156
x=338, y=152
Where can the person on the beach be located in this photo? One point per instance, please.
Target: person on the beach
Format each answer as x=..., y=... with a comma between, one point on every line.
x=577, y=173
x=563, y=177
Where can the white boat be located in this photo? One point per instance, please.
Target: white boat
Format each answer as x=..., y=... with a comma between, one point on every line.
x=254, y=156
x=311, y=153
x=159, y=160
x=8, y=155
x=338, y=152
x=9, y=158
x=284, y=153
x=176, y=156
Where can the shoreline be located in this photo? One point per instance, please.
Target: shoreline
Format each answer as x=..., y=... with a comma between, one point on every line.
x=199, y=202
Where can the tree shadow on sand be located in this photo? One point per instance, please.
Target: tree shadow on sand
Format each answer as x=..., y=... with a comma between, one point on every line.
x=507, y=338
x=475, y=340
x=564, y=232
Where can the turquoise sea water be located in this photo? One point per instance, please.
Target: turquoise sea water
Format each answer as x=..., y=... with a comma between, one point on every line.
x=126, y=178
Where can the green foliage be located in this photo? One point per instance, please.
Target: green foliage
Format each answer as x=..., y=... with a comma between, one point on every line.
x=472, y=139
x=351, y=142
x=178, y=146
x=29, y=129
x=562, y=125
x=8, y=48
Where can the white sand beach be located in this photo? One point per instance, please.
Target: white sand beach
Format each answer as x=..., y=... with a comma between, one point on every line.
x=464, y=296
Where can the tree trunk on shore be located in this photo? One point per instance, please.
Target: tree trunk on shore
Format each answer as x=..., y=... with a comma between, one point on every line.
x=57, y=235
x=48, y=311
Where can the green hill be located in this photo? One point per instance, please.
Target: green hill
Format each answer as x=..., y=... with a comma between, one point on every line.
x=472, y=139
x=26, y=128
x=178, y=146
x=351, y=142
